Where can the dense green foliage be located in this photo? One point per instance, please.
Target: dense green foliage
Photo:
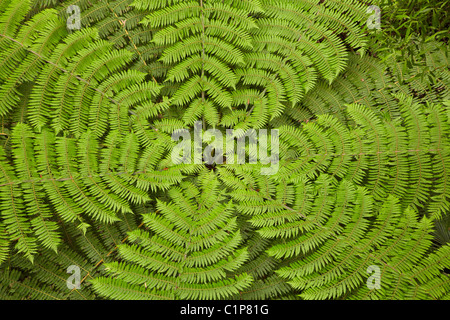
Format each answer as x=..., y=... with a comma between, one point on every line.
x=87, y=178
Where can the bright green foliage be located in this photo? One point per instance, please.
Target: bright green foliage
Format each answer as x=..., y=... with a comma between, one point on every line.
x=87, y=178
x=221, y=51
x=194, y=247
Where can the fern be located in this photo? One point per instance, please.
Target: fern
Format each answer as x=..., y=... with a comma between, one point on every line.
x=193, y=247
x=87, y=178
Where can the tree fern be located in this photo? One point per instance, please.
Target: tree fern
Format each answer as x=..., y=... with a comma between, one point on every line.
x=87, y=177
x=194, y=245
